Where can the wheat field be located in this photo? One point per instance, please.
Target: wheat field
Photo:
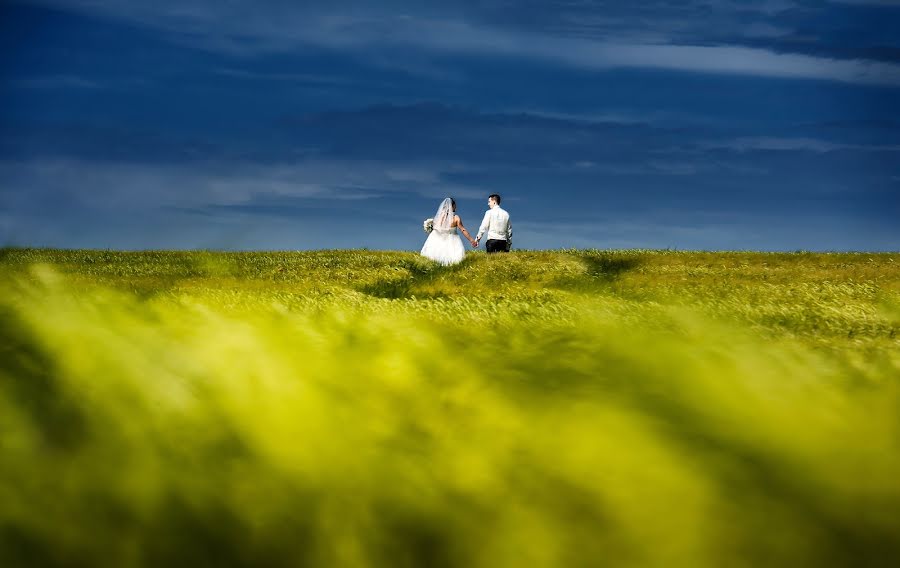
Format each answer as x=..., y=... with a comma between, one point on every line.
x=365, y=408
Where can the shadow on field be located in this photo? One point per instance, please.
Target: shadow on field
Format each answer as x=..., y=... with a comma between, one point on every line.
x=608, y=268
x=416, y=277
x=600, y=271
x=30, y=378
x=419, y=274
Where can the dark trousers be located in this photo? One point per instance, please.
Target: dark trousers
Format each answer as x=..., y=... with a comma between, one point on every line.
x=495, y=245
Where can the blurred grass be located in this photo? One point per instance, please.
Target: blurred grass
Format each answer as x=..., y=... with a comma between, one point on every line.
x=361, y=408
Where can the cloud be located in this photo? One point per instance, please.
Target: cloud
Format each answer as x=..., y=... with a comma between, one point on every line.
x=891, y=3
x=313, y=204
x=408, y=138
x=246, y=29
x=432, y=150
x=599, y=117
x=724, y=60
x=55, y=82
x=351, y=203
x=123, y=187
x=797, y=144
x=764, y=30
x=677, y=168
x=309, y=78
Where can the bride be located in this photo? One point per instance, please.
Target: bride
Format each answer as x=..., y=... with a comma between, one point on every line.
x=443, y=244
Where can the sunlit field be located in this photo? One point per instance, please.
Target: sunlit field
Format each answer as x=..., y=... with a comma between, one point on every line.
x=361, y=408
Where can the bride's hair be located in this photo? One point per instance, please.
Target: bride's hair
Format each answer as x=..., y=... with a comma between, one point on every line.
x=452, y=203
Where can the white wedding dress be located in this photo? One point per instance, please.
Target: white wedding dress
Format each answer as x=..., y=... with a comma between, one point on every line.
x=444, y=247
x=444, y=244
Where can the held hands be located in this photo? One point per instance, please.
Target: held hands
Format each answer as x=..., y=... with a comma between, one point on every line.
x=474, y=243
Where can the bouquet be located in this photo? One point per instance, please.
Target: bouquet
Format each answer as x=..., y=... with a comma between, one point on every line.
x=428, y=225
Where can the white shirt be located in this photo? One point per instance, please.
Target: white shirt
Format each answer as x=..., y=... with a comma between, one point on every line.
x=496, y=223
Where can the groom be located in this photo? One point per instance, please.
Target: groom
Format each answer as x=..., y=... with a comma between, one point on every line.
x=496, y=223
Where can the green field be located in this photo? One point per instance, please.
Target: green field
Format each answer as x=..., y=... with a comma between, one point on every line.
x=362, y=408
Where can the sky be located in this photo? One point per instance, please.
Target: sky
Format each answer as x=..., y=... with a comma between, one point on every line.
x=279, y=125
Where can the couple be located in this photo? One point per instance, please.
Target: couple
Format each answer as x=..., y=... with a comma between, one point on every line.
x=444, y=245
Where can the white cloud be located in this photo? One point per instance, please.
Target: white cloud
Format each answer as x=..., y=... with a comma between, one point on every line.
x=246, y=29
x=123, y=187
x=77, y=203
x=461, y=38
x=796, y=144
x=726, y=60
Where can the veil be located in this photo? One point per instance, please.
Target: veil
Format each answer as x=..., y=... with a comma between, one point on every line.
x=444, y=216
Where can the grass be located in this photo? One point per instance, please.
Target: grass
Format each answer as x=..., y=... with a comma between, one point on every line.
x=362, y=408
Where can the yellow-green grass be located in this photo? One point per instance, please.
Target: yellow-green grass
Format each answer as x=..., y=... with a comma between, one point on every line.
x=361, y=408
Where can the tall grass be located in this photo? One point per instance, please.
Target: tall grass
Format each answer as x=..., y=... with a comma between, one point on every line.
x=356, y=408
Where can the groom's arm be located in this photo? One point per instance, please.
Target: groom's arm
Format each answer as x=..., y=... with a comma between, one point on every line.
x=484, y=224
x=509, y=231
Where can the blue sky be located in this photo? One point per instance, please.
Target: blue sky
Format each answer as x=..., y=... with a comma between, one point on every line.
x=768, y=124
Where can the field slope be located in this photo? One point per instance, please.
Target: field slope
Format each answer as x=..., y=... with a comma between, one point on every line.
x=362, y=408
